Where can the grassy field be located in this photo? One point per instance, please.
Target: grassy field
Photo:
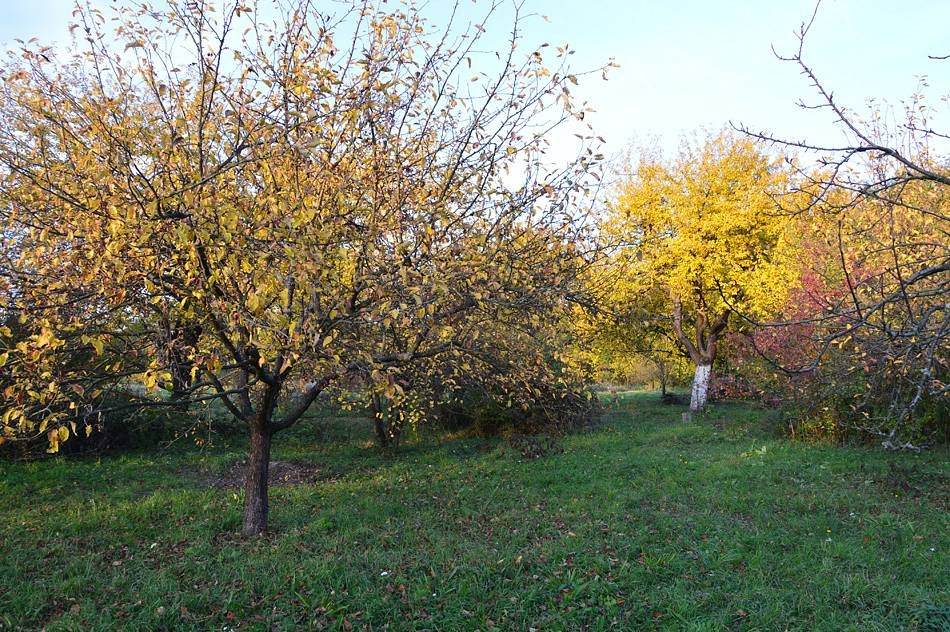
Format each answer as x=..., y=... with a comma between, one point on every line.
x=646, y=523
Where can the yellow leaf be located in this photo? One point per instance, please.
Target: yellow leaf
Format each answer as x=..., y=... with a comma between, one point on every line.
x=45, y=337
x=53, y=438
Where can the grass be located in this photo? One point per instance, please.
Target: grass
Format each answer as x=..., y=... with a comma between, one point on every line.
x=646, y=523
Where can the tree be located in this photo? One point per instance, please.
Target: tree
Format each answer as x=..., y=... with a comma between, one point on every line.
x=884, y=192
x=252, y=212
x=627, y=336
x=698, y=238
x=511, y=355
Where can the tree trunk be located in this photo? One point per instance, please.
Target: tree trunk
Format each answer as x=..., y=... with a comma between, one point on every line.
x=182, y=343
x=255, y=486
x=382, y=433
x=179, y=393
x=702, y=351
x=380, y=420
x=700, y=390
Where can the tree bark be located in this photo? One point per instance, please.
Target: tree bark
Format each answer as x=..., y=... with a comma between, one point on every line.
x=700, y=389
x=380, y=420
x=382, y=435
x=182, y=340
x=702, y=351
x=661, y=365
x=255, y=485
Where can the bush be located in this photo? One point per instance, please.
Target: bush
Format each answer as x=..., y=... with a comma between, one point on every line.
x=127, y=427
x=738, y=387
x=852, y=395
x=848, y=400
x=556, y=411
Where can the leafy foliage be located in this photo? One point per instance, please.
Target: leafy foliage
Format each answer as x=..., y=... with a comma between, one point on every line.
x=697, y=239
x=251, y=213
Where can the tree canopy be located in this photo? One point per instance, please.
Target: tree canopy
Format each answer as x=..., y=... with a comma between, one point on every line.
x=226, y=208
x=697, y=239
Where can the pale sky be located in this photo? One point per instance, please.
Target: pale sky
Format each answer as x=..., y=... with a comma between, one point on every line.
x=686, y=64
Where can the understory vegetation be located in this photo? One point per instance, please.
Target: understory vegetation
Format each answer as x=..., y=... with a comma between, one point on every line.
x=643, y=523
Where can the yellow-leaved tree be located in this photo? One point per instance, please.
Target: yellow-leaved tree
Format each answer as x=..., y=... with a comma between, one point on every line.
x=696, y=240
x=251, y=204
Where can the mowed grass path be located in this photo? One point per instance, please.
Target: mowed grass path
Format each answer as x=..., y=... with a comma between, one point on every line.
x=646, y=523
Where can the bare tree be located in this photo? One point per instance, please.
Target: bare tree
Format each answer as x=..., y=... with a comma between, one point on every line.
x=884, y=195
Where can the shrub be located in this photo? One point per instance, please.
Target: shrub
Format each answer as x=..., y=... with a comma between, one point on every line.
x=555, y=411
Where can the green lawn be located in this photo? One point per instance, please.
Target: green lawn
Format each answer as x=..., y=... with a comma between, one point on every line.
x=646, y=523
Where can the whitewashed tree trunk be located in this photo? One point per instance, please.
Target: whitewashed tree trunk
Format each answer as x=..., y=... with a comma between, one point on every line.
x=702, y=350
x=697, y=400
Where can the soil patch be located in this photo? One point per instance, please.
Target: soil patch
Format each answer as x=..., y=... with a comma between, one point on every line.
x=280, y=474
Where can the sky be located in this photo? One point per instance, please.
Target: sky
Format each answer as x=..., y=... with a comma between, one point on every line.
x=690, y=64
